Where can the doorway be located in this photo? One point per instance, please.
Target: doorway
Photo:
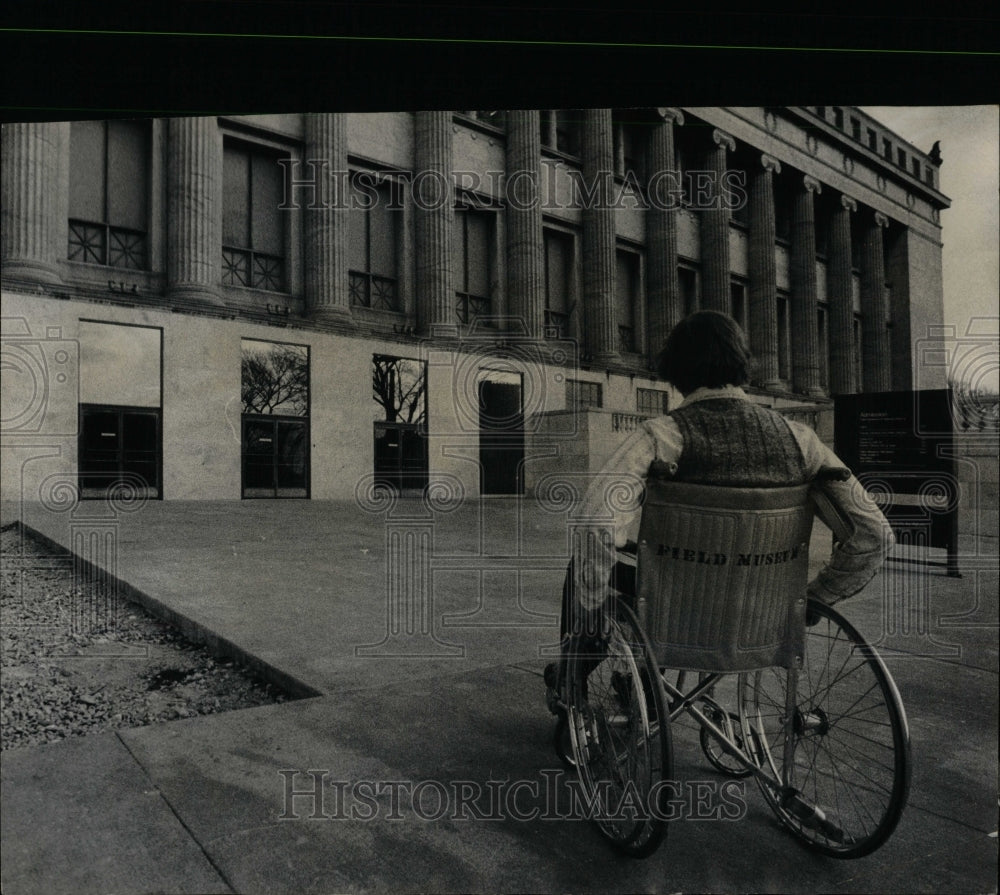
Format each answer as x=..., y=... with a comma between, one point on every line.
x=501, y=435
x=119, y=446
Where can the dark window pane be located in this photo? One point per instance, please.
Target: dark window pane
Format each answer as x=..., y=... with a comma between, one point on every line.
x=357, y=240
x=86, y=172
x=625, y=283
x=258, y=438
x=268, y=228
x=139, y=431
x=100, y=431
x=557, y=254
x=235, y=198
x=128, y=161
x=458, y=251
x=383, y=237
x=479, y=254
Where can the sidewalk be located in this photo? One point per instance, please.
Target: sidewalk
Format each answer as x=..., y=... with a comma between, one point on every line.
x=436, y=694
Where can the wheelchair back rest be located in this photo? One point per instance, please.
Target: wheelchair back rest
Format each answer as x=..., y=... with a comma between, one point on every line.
x=722, y=575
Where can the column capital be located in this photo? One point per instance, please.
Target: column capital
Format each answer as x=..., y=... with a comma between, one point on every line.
x=721, y=138
x=881, y=220
x=848, y=203
x=811, y=184
x=769, y=163
x=670, y=114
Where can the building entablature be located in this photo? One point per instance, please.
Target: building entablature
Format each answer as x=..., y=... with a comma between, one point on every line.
x=800, y=140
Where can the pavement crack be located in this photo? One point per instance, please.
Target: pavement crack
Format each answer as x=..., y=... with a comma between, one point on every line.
x=208, y=857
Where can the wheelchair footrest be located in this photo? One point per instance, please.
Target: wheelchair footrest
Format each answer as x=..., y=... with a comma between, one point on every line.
x=811, y=816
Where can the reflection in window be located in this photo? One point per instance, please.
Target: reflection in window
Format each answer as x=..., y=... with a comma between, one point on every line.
x=399, y=392
x=275, y=395
x=275, y=378
x=399, y=389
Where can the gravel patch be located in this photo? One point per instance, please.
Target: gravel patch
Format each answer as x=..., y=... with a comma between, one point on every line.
x=73, y=661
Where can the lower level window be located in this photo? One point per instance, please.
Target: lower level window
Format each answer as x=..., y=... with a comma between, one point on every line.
x=119, y=450
x=275, y=459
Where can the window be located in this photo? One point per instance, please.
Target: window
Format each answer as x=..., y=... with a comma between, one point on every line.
x=253, y=226
x=651, y=402
x=743, y=163
x=821, y=111
x=856, y=354
x=901, y=157
x=688, y=280
x=372, y=245
x=120, y=399
x=915, y=162
x=471, y=266
x=558, y=283
x=887, y=149
x=784, y=345
x=108, y=193
x=824, y=347
x=275, y=394
x=496, y=119
x=627, y=300
x=855, y=128
x=628, y=143
x=838, y=116
x=929, y=175
x=822, y=217
x=399, y=396
x=784, y=208
x=685, y=161
x=583, y=395
x=560, y=130
x=872, y=140
x=738, y=304
x=119, y=448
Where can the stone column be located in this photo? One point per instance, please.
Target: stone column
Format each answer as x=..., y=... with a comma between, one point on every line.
x=325, y=217
x=525, y=247
x=600, y=325
x=803, y=311
x=663, y=293
x=434, y=199
x=763, y=274
x=29, y=178
x=875, y=349
x=841, y=301
x=715, y=289
x=194, y=209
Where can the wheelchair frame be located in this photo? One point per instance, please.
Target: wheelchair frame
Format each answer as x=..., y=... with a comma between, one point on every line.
x=826, y=738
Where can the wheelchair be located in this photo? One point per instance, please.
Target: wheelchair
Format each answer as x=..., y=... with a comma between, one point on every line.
x=721, y=599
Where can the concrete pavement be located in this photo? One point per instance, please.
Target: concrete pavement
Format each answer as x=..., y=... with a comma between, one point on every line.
x=429, y=742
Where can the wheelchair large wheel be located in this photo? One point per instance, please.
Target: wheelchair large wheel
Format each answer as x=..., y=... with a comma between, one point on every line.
x=620, y=735
x=849, y=777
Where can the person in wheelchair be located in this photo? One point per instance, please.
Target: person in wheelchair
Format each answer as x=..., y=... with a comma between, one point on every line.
x=716, y=436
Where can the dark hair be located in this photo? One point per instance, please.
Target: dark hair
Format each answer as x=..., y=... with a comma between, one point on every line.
x=706, y=349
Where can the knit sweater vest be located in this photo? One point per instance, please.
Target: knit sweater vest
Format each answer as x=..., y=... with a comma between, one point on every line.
x=736, y=443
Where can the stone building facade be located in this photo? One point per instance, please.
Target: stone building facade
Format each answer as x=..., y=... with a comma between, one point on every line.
x=312, y=305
